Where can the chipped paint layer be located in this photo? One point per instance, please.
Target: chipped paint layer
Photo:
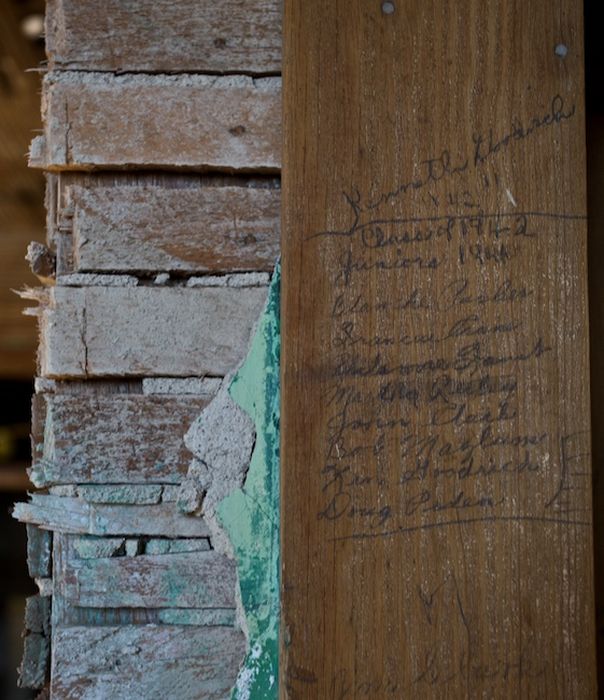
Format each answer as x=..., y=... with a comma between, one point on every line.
x=250, y=515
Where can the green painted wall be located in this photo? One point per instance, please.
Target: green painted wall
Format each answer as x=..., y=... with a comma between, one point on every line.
x=250, y=515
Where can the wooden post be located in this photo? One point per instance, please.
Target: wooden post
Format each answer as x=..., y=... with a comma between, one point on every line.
x=436, y=528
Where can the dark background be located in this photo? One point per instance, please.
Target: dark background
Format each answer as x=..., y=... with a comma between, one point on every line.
x=21, y=221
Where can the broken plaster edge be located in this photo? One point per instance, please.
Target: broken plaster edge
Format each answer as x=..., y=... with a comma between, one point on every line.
x=247, y=404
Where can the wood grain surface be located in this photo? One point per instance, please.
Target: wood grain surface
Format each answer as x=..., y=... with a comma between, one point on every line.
x=195, y=122
x=154, y=662
x=185, y=580
x=164, y=36
x=111, y=439
x=145, y=222
x=192, y=228
x=138, y=331
x=437, y=537
x=76, y=516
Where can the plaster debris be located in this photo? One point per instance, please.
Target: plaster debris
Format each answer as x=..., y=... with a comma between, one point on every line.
x=162, y=278
x=221, y=439
x=64, y=490
x=245, y=279
x=235, y=441
x=170, y=493
x=167, y=546
x=199, y=386
x=132, y=547
x=139, y=494
x=79, y=279
x=250, y=279
x=97, y=547
x=250, y=514
x=211, y=617
x=44, y=386
x=191, y=495
x=42, y=262
x=44, y=586
x=208, y=281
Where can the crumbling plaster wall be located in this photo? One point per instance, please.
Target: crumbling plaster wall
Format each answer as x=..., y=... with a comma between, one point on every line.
x=153, y=532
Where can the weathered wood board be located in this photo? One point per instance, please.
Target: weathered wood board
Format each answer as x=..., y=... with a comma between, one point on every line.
x=39, y=552
x=175, y=229
x=197, y=122
x=146, y=331
x=157, y=36
x=117, y=439
x=187, y=580
x=73, y=515
x=92, y=572
x=36, y=648
x=37, y=614
x=147, y=661
x=436, y=539
x=34, y=665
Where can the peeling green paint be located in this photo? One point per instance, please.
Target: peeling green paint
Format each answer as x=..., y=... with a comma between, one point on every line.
x=250, y=515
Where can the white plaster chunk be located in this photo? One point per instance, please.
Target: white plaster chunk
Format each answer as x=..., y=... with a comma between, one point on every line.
x=170, y=493
x=222, y=439
x=179, y=546
x=64, y=490
x=190, y=496
x=96, y=547
x=199, y=386
x=208, y=281
x=44, y=386
x=44, y=586
x=79, y=279
x=249, y=279
x=132, y=547
x=139, y=494
x=240, y=281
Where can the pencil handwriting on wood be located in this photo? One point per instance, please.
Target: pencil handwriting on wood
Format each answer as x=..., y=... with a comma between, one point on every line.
x=453, y=417
x=435, y=379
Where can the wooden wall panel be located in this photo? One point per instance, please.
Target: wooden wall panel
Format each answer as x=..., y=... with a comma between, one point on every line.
x=197, y=122
x=76, y=516
x=183, y=229
x=153, y=661
x=435, y=430
x=184, y=580
x=146, y=331
x=112, y=439
x=164, y=36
